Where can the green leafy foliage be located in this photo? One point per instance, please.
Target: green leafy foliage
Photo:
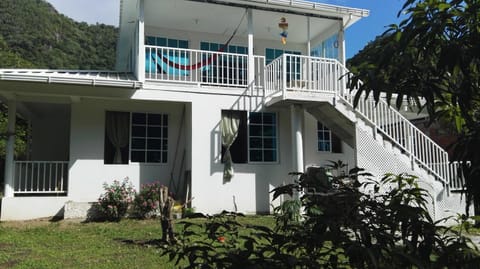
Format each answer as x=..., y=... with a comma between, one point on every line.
x=21, y=134
x=34, y=34
x=348, y=221
x=113, y=204
x=434, y=55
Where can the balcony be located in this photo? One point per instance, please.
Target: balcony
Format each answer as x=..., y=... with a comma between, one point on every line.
x=206, y=68
x=287, y=74
x=296, y=74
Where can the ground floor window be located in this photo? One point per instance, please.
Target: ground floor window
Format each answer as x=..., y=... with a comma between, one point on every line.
x=263, y=137
x=255, y=136
x=327, y=141
x=135, y=137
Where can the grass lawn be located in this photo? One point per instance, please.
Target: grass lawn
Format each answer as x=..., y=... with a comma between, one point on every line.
x=71, y=244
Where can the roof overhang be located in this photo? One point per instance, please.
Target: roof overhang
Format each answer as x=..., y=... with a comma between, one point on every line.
x=76, y=77
x=304, y=8
x=221, y=17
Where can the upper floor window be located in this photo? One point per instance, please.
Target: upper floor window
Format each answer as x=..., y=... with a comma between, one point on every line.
x=164, y=60
x=272, y=54
x=166, y=42
x=293, y=64
x=215, y=47
x=224, y=68
x=327, y=49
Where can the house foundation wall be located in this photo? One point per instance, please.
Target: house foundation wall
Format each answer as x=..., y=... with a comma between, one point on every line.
x=25, y=208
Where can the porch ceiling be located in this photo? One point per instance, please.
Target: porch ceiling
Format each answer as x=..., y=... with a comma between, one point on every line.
x=199, y=16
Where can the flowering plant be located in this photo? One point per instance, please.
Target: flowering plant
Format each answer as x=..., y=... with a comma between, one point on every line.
x=113, y=204
x=146, y=201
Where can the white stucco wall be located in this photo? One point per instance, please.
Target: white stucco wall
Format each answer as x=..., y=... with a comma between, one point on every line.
x=313, y=157
x=87, y=169
x=252, y=182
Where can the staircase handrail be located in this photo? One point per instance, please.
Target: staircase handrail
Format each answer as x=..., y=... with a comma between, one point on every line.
x=435, y=162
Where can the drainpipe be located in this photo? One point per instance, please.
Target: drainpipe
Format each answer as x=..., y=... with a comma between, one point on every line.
x=10, y=148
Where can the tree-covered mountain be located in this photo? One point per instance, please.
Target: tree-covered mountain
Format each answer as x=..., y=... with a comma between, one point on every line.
x=34, y=34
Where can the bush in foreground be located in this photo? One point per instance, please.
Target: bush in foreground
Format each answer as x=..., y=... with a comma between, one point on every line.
x=114, y=203
x=341, y=227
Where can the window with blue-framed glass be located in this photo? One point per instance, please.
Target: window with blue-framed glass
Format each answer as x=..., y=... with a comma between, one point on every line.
x=165, y=59
x=292, y=62
x=262, y=137
x=224, y=69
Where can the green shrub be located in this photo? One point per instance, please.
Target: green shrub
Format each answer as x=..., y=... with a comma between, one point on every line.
x=341, y=227
x=146, y=201
x=114, y=203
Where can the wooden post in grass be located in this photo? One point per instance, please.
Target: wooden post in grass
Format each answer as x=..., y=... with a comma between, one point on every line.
x=166, y=215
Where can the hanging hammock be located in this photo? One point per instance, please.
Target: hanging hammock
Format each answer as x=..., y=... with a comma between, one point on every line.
x=182, y=63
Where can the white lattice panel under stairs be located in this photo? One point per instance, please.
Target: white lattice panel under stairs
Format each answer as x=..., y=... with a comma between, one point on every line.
x=379, y=157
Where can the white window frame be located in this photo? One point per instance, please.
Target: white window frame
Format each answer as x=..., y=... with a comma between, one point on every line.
x=162, y=137
x=324, y=130
x=277, y=157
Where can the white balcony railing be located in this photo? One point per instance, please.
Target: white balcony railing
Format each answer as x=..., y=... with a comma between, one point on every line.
x=457, y=179
x=302, y=73
x=39, y=177
x=200, y=67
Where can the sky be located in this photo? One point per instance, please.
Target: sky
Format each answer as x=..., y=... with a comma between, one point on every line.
x=382, y=13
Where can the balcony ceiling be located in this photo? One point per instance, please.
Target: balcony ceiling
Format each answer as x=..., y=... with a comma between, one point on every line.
x=222, y=19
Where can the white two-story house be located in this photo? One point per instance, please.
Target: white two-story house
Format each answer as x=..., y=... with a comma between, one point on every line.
x=217, y=99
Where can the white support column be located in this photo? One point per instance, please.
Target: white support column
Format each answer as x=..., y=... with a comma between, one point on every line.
x=341, y=44
x=296, y=115
x=309, y=37
x=251, y=60
x=10, y=148
x=309, y=53
x=141, y=42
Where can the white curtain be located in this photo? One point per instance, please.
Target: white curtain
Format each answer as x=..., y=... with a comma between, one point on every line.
x=117, y=128
x=230, y=123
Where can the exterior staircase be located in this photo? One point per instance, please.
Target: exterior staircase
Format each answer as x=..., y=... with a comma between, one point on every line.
x=385, y=141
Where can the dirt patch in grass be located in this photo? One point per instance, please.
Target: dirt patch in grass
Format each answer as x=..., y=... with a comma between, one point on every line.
x=5, y=245
x=9, y=264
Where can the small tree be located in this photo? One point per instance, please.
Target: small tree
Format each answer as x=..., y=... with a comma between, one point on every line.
x=432, y=57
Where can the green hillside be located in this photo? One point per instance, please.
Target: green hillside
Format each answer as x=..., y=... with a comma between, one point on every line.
x=34, y=34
